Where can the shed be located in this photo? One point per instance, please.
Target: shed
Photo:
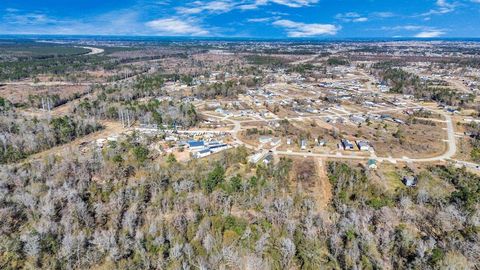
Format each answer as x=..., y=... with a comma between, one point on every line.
x=372, y=164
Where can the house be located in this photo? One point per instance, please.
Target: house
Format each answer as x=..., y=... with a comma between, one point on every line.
x=275, y=141
x=213, y=143
x=304, y=144
x=399, y=121
x=372, y=164
x=171, y=138
x=347, y=145
x=203, y=153
x=289, y=141
x=472, y=134
x=218, y=147
x=265, y=139
x=255, y=158
x=363, y=145
x=196, y=145
x=268, y=159
x=409, y=181
x=408, y=112
x=322, y=143
x=385, y=117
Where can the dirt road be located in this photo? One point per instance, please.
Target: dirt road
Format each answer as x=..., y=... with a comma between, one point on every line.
x=323, y=187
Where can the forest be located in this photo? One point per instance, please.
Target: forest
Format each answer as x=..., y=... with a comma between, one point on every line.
x=117, y=209
x=138, y=102
x=403, y=82
x=24, y=136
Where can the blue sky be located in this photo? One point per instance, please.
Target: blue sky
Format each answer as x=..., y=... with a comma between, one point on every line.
x=244, y=18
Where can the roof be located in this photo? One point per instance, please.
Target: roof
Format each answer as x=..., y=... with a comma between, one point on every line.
x=213, y=143
x=217, y=146
x=195, y=143
x=372, y=162
x=363, y=143
x=346, y=143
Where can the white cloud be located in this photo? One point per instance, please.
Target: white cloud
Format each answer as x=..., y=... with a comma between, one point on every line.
x=421, y=30
x=211, y=7
x=296, y=29
x=383, y=14
x=223, y=6
x=405, y=27
x=347, y=15
x=443, y=7
x=119, y=22
x=33, y=18
x=429, y=34
x=351, y=17
x=176, y=27
x=294, y=3
x=361, y=19
x=258, y=20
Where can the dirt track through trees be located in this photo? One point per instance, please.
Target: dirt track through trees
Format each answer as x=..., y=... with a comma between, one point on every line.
x=323, y=189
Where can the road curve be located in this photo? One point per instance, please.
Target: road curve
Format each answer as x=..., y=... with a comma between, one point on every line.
x=93, y=50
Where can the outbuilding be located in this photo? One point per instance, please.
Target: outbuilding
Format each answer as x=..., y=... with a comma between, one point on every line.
x=372, y=164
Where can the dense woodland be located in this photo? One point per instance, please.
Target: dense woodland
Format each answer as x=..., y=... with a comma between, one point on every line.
x=229, y=89
x=403, y=82
x=116, y=209
x=140, y=104
x=426, y=227
x=28, y=68
x=21, y=136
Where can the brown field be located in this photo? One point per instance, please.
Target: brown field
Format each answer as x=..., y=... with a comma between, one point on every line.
x=418, y=140
x=310, y=175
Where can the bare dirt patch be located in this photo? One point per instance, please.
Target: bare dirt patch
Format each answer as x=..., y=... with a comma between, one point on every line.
x=310, y=175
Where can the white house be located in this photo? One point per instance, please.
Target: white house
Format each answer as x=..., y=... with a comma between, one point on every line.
x=363, y=145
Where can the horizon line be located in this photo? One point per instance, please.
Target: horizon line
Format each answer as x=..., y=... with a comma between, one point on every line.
x=240, y=38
